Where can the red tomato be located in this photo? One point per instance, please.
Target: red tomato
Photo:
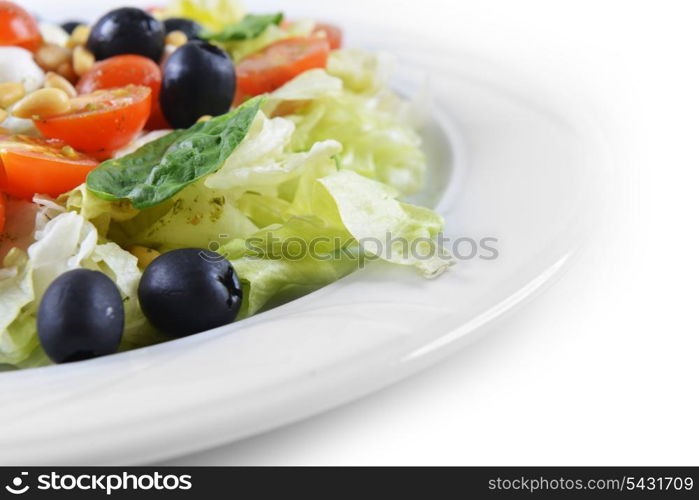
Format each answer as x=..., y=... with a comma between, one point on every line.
x=101, y=122
x=278, y=63
x=2, y=211
x=29, y=166
x=18, y=27
x=332, y=33
x=119, y=71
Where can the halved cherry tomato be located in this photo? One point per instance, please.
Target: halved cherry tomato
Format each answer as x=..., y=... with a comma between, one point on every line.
x=332, y=33
x=46, y=166
x=119, y=71
x=2, y=211
x=278, y=63
x=101, y=122
x=18, y=27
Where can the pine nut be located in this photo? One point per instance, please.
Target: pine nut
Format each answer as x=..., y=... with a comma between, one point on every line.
x=83, y=60
x=176, y=38
x=42, y=103
x=79, y=36
x=66, y=71
x=144, y=255
x=204, y=118
x=51, y=56
x=10, y=93
x=56, y=81
x=3, y=115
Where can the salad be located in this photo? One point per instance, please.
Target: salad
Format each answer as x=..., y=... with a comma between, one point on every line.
x=171, y=170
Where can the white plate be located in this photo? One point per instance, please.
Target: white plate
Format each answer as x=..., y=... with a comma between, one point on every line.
x=516, y=165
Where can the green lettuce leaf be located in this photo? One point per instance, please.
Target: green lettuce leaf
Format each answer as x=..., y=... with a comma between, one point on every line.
x=270, y=282
x=67, y=241
x=240, y=49
x=387, y=228
x=251, y=26
x=351, y=104
x=263, y=161
x=196, y=217
x=162, y=168
x=16, y=293
x=212, y=14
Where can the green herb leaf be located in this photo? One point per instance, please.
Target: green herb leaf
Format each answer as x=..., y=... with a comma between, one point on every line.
x=162, y=168
x=251, y=26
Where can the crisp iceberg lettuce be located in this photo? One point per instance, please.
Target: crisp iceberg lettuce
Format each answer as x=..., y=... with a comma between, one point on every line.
x=261, y=161
x=351, y=104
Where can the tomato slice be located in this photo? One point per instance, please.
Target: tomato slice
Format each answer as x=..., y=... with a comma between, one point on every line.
x=29, y=166
x=333, y=34
x=119, y=71
x=278, y=63
x=101, y=122
x=18, y=27
x=2, y=211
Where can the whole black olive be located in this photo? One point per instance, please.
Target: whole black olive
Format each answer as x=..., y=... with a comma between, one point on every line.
x=127, y=31
x=69, y=26
x=190, y=28
x=188, y=291
x=81, y=316
x=198, y=79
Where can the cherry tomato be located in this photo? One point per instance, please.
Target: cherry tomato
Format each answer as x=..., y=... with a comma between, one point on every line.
x=119, y=71
x=101, y=122
x=18, y=27
x=46, y=166
x=278, y=63
x=2, y=211
x=332, y=33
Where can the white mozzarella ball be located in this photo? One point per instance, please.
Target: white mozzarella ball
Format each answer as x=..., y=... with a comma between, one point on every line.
x=17, y=65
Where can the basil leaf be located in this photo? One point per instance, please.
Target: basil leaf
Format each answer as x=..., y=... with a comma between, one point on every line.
x=251, y=26
x=162, y=168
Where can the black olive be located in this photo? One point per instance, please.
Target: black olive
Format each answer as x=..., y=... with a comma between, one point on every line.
x=127, y=31
x=198, y=79
x=188, y=291
x=190, y=28
x=81, y=316
x=69, y=26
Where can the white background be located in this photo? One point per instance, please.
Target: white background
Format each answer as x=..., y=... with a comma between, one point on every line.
x=603, y=368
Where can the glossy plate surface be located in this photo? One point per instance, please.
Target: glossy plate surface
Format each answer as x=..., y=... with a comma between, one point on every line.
x=508, y=162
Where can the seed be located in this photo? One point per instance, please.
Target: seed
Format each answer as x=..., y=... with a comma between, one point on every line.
x=79, y=36
x=3, y=115
x=204, y=118
x=66, y=71
x=144, y=255
x=51, y=56
x=69, y=151
x=56, y=81
x=10, y=93
x=176, y=38
x=83, y=60
x=42, y=103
